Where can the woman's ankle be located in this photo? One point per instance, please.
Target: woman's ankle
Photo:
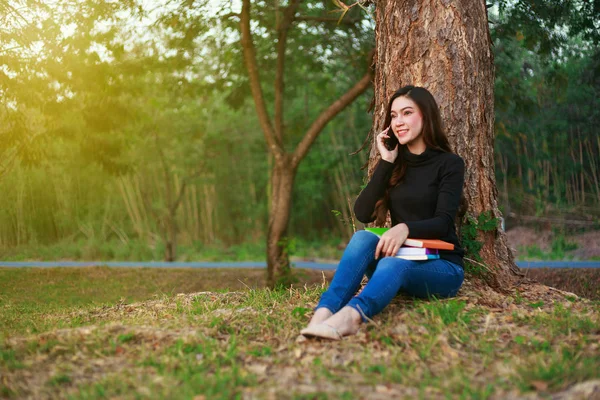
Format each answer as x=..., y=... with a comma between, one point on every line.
x=347, y=321
x=354, y=315
x=320, y=315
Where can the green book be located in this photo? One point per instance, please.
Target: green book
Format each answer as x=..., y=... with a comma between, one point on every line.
x=377, y=231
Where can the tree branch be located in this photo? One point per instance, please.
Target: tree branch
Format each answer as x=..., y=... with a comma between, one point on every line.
x=328, y=114
x=227, y=16
x=184, y=184
x=309, y=18
x=165, y=166
x=288, y=18
x=173, y=207
x=250, y=60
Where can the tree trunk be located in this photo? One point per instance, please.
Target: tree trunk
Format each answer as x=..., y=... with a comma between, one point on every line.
x=445, y=47
x=170, y=237
x=278, y=263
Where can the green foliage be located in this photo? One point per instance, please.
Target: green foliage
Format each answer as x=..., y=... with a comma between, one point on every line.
x=546, y=141
x=545, y=27
x=110, y=107
x=130, y=113
x=469, y=239
x=559, y=248
x=560, y=245
x=289, y=245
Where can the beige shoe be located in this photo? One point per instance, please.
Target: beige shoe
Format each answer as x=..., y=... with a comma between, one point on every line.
x=322, y=331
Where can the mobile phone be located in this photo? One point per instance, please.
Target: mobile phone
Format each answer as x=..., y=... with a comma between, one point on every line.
x=392, y=141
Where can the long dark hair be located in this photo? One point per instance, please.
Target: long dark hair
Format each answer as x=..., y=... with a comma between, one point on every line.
x=433, y=136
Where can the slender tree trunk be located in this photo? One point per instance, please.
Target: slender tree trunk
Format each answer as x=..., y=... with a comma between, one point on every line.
x=279, y=216
x=445, y=46
x=170, y=238
x=169, y=229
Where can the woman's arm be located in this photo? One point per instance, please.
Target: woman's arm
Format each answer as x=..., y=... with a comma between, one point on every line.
x=448, y=201
x=375, y=189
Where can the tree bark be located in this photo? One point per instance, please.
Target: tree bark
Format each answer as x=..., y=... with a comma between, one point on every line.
x=445, y=47
x=278, y=262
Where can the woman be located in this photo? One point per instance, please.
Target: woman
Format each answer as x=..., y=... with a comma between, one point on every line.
x=419, y=181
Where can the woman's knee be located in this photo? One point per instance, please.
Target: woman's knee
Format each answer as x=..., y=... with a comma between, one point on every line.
x=390, y=265
x=364, y=235
x=364, y=238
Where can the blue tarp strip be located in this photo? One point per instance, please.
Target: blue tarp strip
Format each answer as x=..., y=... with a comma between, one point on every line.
x=236, y=264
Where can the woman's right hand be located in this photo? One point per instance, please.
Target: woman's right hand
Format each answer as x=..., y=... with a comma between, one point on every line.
x=387, y=155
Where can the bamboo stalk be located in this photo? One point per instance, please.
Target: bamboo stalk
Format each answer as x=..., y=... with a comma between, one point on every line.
x=19, y=204
x=582, y=168
x=131, y=190
x=188, y=214
x=182, y=227
x=203, y=212
x=119, y=232
x=557, y=180
x=126, y=195
x=195, y=211
x=213, y=216
x=208, y=206
x=105, y=218
x=140, y=209
x=338, y=200
x=594, y=166
x=519, y=167
x=341, y=178
x=574, y=178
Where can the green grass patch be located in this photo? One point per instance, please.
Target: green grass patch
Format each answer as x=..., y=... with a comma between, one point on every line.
x=90, y=249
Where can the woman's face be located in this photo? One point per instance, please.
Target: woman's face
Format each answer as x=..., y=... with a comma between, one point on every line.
x=407, y=123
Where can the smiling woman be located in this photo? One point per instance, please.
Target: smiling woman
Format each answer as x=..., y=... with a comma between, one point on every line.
x=419, y=181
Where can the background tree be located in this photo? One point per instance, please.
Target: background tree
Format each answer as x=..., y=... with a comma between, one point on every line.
x=285, y=163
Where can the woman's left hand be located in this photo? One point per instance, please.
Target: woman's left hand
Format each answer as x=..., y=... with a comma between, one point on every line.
x=391, y=240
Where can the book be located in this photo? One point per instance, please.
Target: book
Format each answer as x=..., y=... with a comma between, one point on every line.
x=421, y=257
x=413, y=242
x=416, y=251
x=429, y=243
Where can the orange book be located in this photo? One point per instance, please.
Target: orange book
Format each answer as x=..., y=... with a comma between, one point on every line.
x=429, y=243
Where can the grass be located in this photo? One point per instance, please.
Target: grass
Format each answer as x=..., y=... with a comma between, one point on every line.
x=30, y=297
x=93, y=249
x=559, y=250
x=152, y=334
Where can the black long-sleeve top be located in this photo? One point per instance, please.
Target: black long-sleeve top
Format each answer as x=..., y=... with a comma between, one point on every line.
x=426, y=199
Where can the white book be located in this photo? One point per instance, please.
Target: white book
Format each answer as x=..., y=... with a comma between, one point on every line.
x=415, y=251
x=422, y=257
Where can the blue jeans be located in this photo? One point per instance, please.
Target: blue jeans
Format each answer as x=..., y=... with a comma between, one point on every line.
x=387, y=276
